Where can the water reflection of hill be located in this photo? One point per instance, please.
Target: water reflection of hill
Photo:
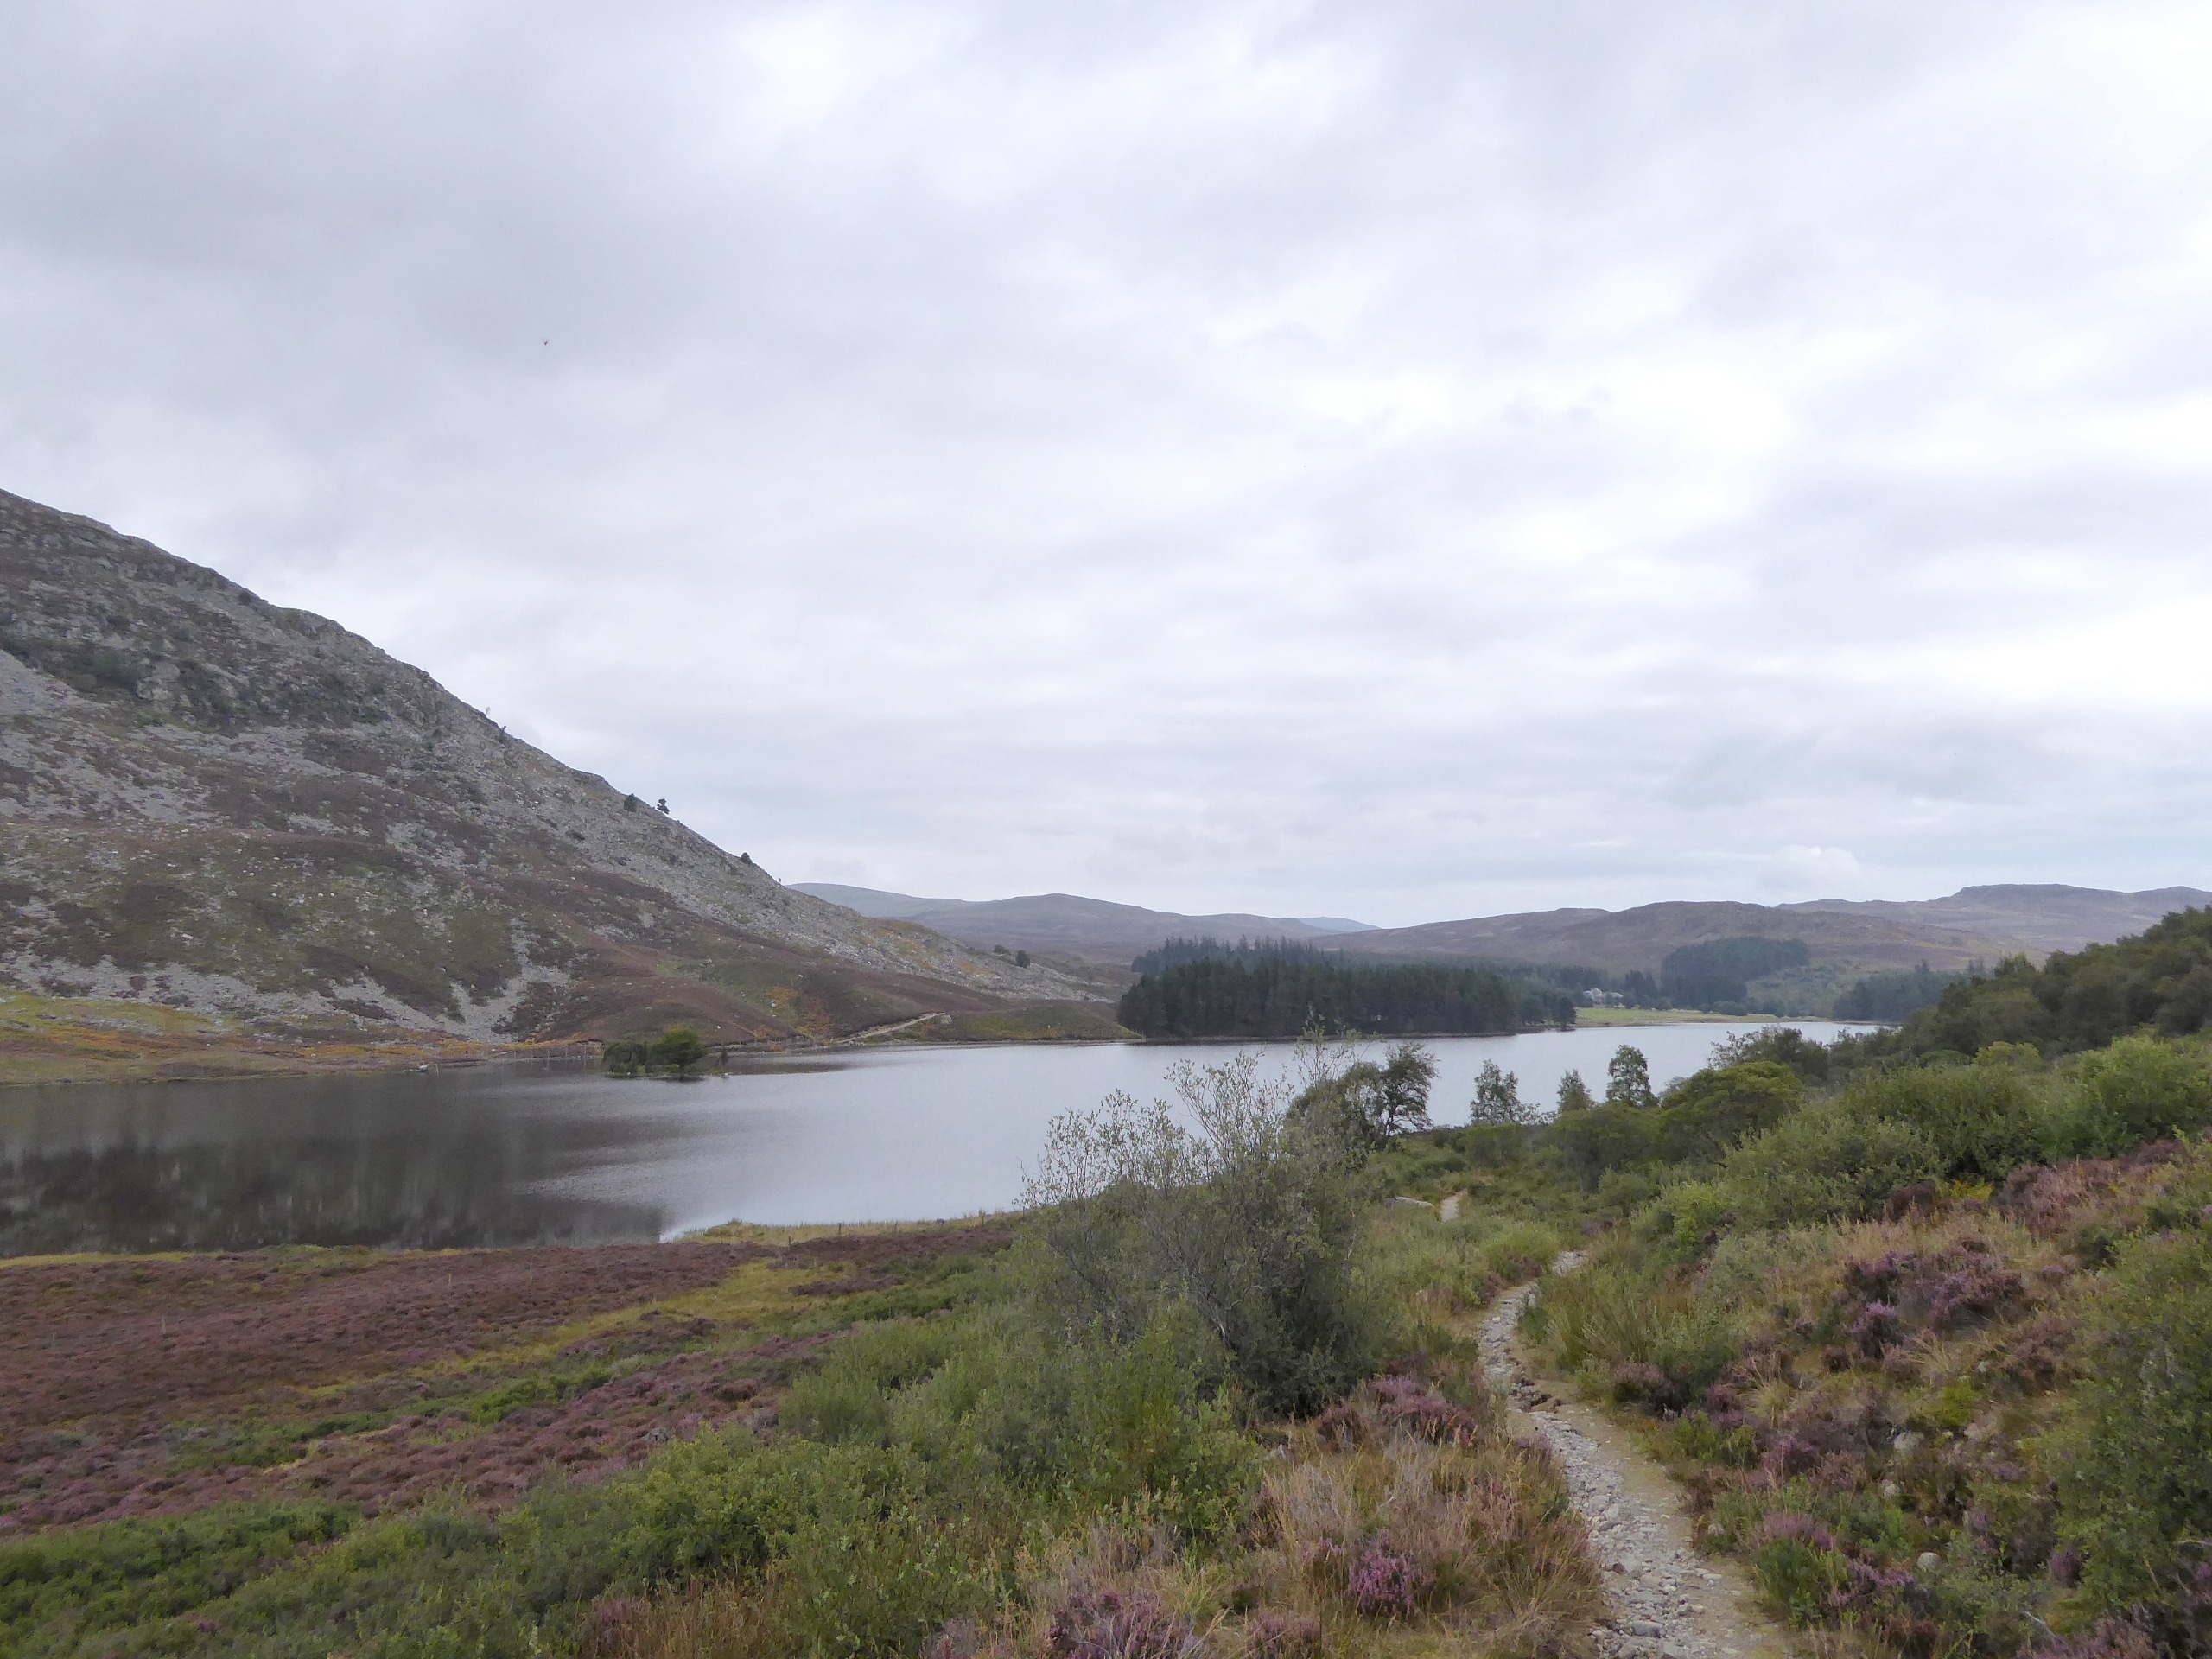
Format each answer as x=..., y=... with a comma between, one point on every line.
x=243, y=1197
x=404, y=1163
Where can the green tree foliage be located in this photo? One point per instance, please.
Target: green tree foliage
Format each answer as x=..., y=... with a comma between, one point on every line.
x=1573, y=1094
x=674, y=1051
x=1889, y=997
x=1709, y=1111
x=1628, y=1078
x=1720, y=971
x=678, y=1049
x=2161, y=979
x=2137, y=1089
x=1279, y=997
x=1589, y=1143
x=1784, y=1045
x=1236, y=1210
x=2139, y=1479
x=1369, y=1104
x=1497, y=1097
x=1177, y=951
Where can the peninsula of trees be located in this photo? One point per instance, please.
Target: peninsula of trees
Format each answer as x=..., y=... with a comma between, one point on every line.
x=1284, y=995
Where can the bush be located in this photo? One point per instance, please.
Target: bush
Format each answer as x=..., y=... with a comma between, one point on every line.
x=2138, y=1089
x=1983, y=1120
x=1839, y=1160
x=1589, y=1143
x=2138, y=1482
x=850, y=1398
x=1708, y=1112
x=1249, y=1219
x=727, y=1502
x=124, y=1572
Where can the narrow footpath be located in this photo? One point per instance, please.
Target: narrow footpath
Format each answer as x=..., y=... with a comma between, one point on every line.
x=1666, y=1600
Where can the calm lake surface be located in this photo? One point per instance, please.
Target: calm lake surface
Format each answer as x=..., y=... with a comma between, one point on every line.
x=550, y=1154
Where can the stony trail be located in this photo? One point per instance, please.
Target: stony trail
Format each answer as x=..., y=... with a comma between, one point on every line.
x=1666, y=1601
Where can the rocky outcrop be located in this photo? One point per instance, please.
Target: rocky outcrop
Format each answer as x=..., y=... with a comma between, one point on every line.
x=222, y=804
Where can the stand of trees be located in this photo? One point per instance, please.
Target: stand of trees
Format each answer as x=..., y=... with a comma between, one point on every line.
x=1720, y=971
x=1889, y=997
x=1175, y=952
x=2161, y=978
x=1285, y=996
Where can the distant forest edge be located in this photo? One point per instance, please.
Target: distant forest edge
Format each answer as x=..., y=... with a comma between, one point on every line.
x=1728, y=976
x=1284, y=994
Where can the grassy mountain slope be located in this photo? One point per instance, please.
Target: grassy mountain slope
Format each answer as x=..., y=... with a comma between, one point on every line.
x=228, y=808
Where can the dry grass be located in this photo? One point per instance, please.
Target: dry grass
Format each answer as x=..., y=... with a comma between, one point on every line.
x=47, y=1040
x=1403, y=1522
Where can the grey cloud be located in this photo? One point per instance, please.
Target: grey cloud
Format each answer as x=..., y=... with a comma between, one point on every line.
x=1397, y=460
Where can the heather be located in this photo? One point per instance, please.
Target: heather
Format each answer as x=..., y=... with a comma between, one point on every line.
x=1215, y=1397
x=1931, y=1352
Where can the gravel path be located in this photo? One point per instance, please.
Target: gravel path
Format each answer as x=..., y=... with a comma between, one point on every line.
x=1666, y=1600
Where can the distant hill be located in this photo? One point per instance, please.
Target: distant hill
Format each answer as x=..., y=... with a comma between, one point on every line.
x=1063, y=925
x=1983, y=923
x=216, y=804
x=1843, y=936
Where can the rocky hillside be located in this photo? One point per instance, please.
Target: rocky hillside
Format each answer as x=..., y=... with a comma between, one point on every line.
x=214, y=804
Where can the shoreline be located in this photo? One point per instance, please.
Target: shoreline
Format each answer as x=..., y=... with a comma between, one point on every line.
x=246, y=1065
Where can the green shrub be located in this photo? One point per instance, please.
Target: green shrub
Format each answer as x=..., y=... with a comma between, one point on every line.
x=1493, y=1146
x=1836, y=1161
x=2137, y=1472
x=1709, y=1111
x=727, y=1502
x=1590, y=1143
x=442, y=1581
x=850, y=1398
x=122, y=1573
x=1693, y=1436
x=1249, y=1220
x=2138, y=1089
x=1983, y=1120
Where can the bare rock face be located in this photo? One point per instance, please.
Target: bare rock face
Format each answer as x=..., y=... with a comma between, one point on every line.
x=216, y=803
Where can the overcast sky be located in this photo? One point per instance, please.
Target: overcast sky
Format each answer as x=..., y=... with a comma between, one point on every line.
x=1391, y=460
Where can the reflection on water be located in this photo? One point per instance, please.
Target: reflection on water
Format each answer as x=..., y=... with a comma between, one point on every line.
x=554, y=1153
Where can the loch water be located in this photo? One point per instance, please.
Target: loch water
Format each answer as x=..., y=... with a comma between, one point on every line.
x=554, y=1152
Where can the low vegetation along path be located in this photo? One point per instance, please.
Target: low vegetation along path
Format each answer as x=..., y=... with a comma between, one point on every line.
x=1665, y=1599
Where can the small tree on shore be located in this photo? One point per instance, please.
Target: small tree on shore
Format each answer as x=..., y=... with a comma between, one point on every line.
x=1573, y=1094
x=679, y=1049
x=1497, y=1097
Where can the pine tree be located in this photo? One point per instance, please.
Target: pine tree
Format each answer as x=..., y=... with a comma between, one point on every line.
x=1628, y=1078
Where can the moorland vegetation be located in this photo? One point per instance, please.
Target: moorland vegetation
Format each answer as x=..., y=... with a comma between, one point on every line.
x=1210, y=1399
x=1925, y=1335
